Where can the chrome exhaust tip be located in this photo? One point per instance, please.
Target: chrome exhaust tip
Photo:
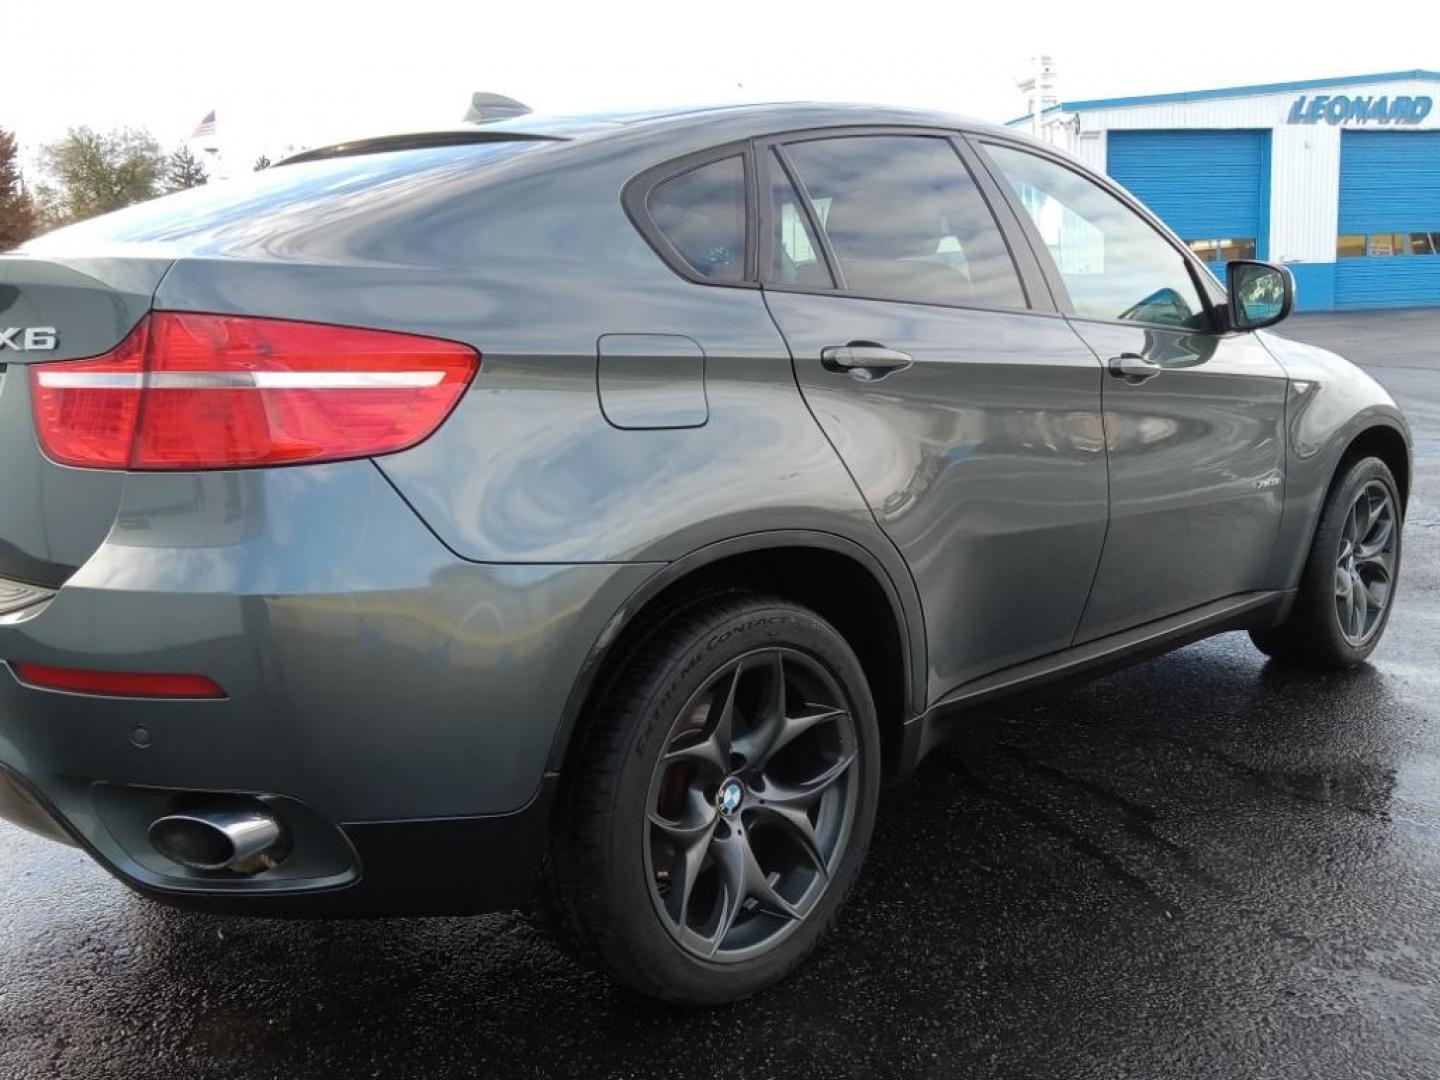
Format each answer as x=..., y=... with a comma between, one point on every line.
x=245, y=840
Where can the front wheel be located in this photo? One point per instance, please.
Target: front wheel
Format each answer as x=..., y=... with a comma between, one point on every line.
x=1348, y=586
x=722, y=802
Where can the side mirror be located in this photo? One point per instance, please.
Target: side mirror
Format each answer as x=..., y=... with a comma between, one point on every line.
x=1261, y=294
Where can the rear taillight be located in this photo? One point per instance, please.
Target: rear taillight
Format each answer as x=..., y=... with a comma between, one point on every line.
x=225, y=392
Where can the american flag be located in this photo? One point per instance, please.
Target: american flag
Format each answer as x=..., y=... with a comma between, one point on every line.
x=206, y=127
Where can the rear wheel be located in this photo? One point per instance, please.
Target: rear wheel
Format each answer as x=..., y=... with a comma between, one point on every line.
x=722, y=802
x=1348, y=585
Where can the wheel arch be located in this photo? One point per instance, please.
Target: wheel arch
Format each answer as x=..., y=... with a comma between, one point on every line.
x=1380, y=431
x=1385, y=442
x=874, y=606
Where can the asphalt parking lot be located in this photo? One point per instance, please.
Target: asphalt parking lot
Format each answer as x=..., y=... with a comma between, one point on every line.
x=1203, y=866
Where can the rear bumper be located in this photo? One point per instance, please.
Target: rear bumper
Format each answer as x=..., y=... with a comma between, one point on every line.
x=427, y=866
x=394, y=705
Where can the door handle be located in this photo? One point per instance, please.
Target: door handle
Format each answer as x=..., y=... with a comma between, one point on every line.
x=1133, y=368
x=864, y=360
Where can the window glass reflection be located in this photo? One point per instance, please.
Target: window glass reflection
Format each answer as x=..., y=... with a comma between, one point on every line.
x=702, y=213
x=906, y=222
x=269, y=202
x=795, y=257
x=1114, y=264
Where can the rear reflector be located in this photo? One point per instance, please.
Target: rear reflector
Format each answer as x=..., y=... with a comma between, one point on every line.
x=224, y=392
x=117, y=683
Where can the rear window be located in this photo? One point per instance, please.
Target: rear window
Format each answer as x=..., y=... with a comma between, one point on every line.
x=254, y=205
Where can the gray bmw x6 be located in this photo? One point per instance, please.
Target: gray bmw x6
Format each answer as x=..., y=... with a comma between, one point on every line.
x=603, y=509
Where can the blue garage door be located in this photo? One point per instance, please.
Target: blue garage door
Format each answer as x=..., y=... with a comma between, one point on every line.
x=1388, y=250
x=1211, y=187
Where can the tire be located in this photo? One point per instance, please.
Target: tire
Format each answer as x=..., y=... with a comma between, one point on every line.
x=1316, y=633
x=629, y=827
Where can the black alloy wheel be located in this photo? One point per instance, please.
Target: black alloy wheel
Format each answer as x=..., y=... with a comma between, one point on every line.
x=717, y=812
x=1365, y=562
x=1347, y=588
x=751, y=803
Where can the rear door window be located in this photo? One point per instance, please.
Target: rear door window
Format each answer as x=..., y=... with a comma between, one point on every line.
x=905, y=221
x=701, y=214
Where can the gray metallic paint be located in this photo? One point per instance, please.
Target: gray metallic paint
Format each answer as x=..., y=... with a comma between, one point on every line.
x=1331, y=402
x=528, y=469
x=427, y=662
x=984, y=463
x=327, y=641
x=1197, y=463
x=651, y=381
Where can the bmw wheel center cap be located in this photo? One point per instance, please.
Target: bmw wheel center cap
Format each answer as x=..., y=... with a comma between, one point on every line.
x=730, y=796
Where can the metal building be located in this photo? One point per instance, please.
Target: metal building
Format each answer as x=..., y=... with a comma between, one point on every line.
x=1338, y=178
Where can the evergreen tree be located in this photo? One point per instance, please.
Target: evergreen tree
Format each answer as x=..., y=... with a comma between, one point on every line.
x=183, y=170
x=18, y=217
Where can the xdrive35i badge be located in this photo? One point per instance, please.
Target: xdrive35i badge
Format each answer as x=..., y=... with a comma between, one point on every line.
x=29, y=338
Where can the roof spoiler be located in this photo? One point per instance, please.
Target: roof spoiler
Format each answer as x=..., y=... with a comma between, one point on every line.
x=422, y=140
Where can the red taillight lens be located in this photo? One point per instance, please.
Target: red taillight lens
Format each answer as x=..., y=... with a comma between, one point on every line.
x=117, y=683
x=223, y=392
x=85, y=411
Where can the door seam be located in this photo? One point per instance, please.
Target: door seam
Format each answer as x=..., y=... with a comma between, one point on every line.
x=1109, y=501
x=839, y=457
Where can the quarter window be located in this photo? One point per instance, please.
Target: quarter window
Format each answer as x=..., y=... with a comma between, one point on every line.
x=905, y=221
x=702, y=214
x=1115, y=266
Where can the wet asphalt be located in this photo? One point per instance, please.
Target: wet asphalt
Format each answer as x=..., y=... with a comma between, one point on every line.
x=1202, y=867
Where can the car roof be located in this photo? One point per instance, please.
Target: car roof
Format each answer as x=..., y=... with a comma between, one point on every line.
x=786, y=114
x=729, y=121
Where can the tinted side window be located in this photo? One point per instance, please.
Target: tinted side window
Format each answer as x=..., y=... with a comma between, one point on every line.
x=702, y=214
x=1115, y=265
x=906, y=222
x=795, y=257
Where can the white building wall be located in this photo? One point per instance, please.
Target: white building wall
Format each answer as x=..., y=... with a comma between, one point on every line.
x=1304, y=158
x=1304, y=192
x=1091, y=148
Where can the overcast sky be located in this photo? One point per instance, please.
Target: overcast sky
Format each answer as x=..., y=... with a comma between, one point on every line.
x=297, y=74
